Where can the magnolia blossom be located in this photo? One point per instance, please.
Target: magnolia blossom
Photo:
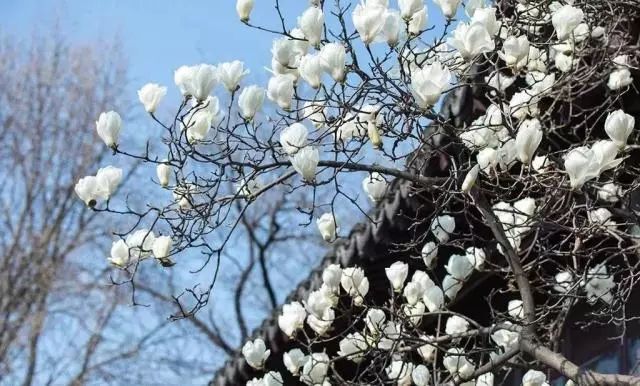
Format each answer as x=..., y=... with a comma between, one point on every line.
x=565, y=20
x=293, y=360
x=456, y=325
x=140, y=243
x=601, y=217
x=331, y=277
x=471, y=40
x=150, y=96
x=619, y=126
x=315, y=112
x=409, y=7
x=528, y=139
x=311, y=69
x=433, y=298
x=581, y=166
x=421, y=376
x=294, y=138
x=515, y=51
x=280, y=90
x=162, y=249
x=487, y=159
x=119, y=254
x=332, y=57
x=442, y=227
x=101, y=186
x=428, y=84
x=610, y=192
x=392, y=27
x=353, y=347
x=476, y=257
x=485, y=379
x=108, y=127
x=457, y=364
x=250, y=101
x=400, y=372
x=429, y=253
x=327, y=226
x=272, y=378
x=619, y=78
x=427, y=351
x=368, y=18
x=231, y=73
x=197, y=124
x=413, y=292
x=315, y=369
x=255, y=353
x=323, y=323
x=375, y=186
x=599, y=284
x=163, y=171
x=515, y=309
x=244, y=7
x=459, y=267
x=565, y=62
x=397, y=274
x=355, y=283
x=534, y=378
x=564, y=281
x=487, y=18
x=292, y=318
x=499, y=81
x=418, y=22
x=375, y=320
x=448, y=7
x=197, y=81
x=505, y=339
x=470, y=179
x=311, y=23
x=305, y=162
x=317, y=303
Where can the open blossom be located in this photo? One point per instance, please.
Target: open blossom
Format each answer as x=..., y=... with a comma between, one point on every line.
x=280, y=90
x=418, y=22
x=471, y=40
x=442, y=227
x=250, y=101
x=523, y=103
x=599, y=284
x=197, y=123
x=400, y=372
x=327, y=226
x=375, y=186
x=619, y=126
x=355, y=283
x=610, y=192
x=311, y=69
x=397, y=274
x=433, y=298
x=409, y=7
x=456, y=325
x=292, y=318
x=140, y=243
x=353, y=347
x=108, y=127
x=487, y=18
x=420, y=375
x=515, y=309
x=311, y=23
x=293, y=360
x=368, y=18
x=162, y=249
x=429, y=253
x=476, y=257
x=294, y=138
x=305, y=162
x=459, y=267
x=515, y=51
x=332, y=57
x=150, y=96
x=231, y=73
x=428, y=84
x=448, y=7
x=565, y=20
x=255, y=353
x=528, y=139
x=244, y=8
x=581, y=165
x=392, y=27
x=499, y=81
x=315, y=369
x=197, y=81
x=505, y=338
x=331, y=277
x=534, y=378
x=457, y=364
x=119, y=254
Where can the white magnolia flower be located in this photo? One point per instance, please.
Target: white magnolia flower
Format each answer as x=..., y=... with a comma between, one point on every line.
x=507, y=154
x=397, y=274
x=427, y=351
x=107, y=181
x=505, y=339
x=470, y=179
x=315, y=369
x=471, y=6
x=312, y=23
x=315, y=111
x=499, y=81
x=250, y=101
x=565, y=20
x=311, y=69
x=487, y=159
x=353, y=347
x=323, y=323
x=108, y=127
x=331, y=277
x=400, y=372
x=409, y=7
x=294, y=138
x=244, y=7
x=523, y=103
x=255, y=353
x=457, y=364
x=515, y=309
x=150, y=96
x=610, y=192
x=413, y=292
x=433, y=298
x=540, y=163
x=163, y=171
x=292, y=318
x=317, y=303
x=599, y=284
x=459, y=267
x=537, y=60
x=601, y=217
x=564, y=281
x=605, y=153
x=540, y=82
x=375, y=320
x=456, y=325
x=448, y=7
x=581, y=165
x=119, y=254
x=231, y=73
x=368, y=18
x=428, y=84
x=620, y=78
x=293, y=360
x=485, y=379
x=534, y=378
x=198, y=80
x=515, y=51
x=375, y=186
x=565, y=62
x=327, y=226
x=355, y=283
x=418, y=22
x=392, y=27
x=332, y=56
x=528, y=139
x=619, y=126
x=280, y=90
x=421, y=376
x=272, y=378
x=140, y=243
x=429, y=254
x=487, y=18
x=162, y=248
x=451, y=286
x=197, y=123
x=442, y=227
x=305, y=162
x=476, y=257
x=471, y=40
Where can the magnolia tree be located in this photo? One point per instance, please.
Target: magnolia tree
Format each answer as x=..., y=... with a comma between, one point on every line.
x=537, y=189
